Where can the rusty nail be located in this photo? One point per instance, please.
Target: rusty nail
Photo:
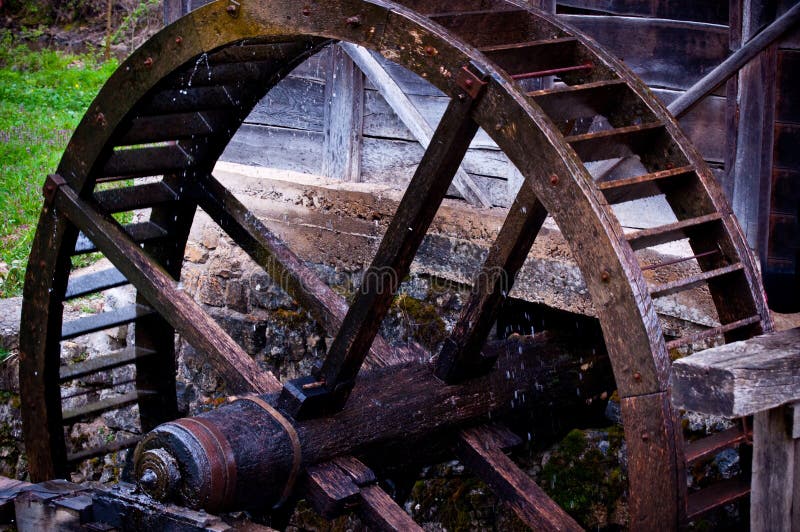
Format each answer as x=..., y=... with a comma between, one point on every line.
x=148, y=62
x=306, y=11
x=645, y=436
x=498, y=126
x=637, y=376
x=605, y=276
x=353, y=21
x=430, y=50
x=178, y=40
x=553, y=179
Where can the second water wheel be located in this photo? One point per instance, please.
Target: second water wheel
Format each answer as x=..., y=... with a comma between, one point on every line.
x=157, y=117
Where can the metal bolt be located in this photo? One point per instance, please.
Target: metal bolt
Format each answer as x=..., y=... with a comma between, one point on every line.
x=645, y=436
x=306, y=11
x=148, y=479
x=148, y=62
x=498, y=126
x=670, y=166
x=354, y=21
x=430, y=50
x=100, y=118
x=553, y=179
x=605, y=276
x=178, y=40
x=469, y=83
x=42, y=263
x=231, y=9
x=637, y=376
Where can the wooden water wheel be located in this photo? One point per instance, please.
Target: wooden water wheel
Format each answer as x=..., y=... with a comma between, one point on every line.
x=157, y=117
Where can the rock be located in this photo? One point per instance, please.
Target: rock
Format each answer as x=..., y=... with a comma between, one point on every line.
x=211, y=292
x=10, y=310
x=195, y=253
x=614, y=411
x=210, y=237
x=236, y=296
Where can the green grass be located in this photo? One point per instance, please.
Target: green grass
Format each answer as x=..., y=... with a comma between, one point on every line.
x=43, y=95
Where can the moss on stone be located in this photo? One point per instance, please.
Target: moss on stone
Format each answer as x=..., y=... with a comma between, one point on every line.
x=585, y=479
x=423, y=320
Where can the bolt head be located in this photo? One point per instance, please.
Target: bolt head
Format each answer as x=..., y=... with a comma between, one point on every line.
x=645, y=436
x=148, y=62
x=553, y=179
x=306, y=11
x=637, y=376
x=605, y=276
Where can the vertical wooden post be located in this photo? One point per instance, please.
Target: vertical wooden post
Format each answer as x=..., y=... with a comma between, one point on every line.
x=750, y=165
x=344, y=116
x=774, y=465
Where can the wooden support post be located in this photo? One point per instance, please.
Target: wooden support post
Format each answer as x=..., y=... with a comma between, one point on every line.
x=750, y=173
x=344, y=117
x=775, y=456
x=759, y=377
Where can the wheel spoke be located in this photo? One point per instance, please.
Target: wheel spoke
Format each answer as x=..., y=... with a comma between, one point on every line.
x=481, y=449
x=391, y=263
x=300, y=282
x=460, y=356
x=153, y=283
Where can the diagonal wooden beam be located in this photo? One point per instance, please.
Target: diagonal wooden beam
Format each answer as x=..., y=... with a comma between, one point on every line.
x=410, y=116
x=461, y=356
x=326, y=306
x=238, y=369
x=735, y=62
x=481, y=450
x=327, y=391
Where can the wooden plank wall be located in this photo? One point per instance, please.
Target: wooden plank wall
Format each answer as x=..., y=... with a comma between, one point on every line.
x=783, y=227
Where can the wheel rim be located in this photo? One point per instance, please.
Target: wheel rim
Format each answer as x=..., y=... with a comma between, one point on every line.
x=554, y=172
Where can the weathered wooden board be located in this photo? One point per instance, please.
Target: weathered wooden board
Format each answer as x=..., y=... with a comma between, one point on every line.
x=705, y=124
x=774, y=465
x=295, y=102
x=712, y=11
x=787, y=139
x=787, y=108
x=740, y=378
x=387, y=161
x=664, y=53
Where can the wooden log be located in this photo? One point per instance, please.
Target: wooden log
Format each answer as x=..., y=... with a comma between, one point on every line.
x=740, y=378
x=405, y=402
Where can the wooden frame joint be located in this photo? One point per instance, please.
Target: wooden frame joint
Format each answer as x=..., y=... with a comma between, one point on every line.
x=51, y=186
x=472, y=80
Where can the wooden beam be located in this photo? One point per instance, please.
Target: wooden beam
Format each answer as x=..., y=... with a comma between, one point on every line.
x=740, y=378
x=411, y=116
x=482, y=451
x=344, y=117
x=773, y=482
x=237, y=368
x=735, y=62
x=297, y=279
x=390, y=265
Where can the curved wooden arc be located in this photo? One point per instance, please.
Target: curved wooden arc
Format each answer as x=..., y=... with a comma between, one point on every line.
x=522, y=124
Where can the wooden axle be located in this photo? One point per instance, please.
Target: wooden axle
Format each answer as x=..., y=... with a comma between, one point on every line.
x=245, y=453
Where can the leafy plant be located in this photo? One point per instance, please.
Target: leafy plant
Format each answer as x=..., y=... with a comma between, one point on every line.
x=43, y=95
